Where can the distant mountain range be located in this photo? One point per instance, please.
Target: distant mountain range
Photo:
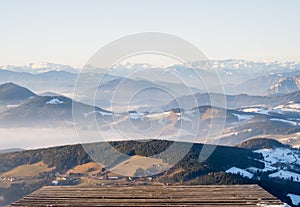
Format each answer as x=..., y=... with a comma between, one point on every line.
x=57, y=81
x=260, y=120
x=243, y=118
x=41, y=67
x=233, y=101
x=243, y=66
x=257, y=94
x=238, y=76
x=9, y=150
x=285, y=85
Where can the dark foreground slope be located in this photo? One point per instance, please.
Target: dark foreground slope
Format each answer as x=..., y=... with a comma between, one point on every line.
x=188, y=171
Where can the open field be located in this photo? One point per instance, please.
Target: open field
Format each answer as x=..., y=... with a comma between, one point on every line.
x=129, y=166
x=28, y=170
x=89, y=168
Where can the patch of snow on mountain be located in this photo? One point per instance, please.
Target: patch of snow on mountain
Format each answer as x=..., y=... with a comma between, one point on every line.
x=266, y=169
x=238, y=171
x=243, y=116
x=159, y=115
x=286, y=175
x=134, y=115
x=184, y=118
x=54, y=101
x=295, y=198
x=291, y=107
x=278, y=155
x=99, y=112
x=294, y=106
x=11, y=106
x=285, y=121
x=257, y=110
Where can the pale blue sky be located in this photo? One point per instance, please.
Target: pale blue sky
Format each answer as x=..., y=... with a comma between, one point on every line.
x=69, y=32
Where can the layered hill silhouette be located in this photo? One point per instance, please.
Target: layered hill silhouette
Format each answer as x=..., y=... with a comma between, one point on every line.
x=261, y=143
x=245, y=116
x=11, y=93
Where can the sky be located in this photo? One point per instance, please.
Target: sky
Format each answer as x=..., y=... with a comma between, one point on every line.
x=70, y=32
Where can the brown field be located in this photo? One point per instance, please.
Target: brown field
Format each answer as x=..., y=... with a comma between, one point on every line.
x=90, y=168
x=28, y=170
x=129, y=166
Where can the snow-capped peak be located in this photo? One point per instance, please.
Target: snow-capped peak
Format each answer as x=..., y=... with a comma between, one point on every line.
x=40, y=67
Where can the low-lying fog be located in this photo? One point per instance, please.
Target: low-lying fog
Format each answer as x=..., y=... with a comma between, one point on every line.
x=31, y=138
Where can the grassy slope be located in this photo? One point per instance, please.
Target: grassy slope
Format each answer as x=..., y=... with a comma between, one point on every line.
x=129, y=166
x=27, y=170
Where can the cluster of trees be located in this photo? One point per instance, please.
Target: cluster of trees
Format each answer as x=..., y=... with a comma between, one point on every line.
x=189, y=170
x=62, y=158
x=66, y=157
x=221, y=178
x=261, y=143
x=280, y=188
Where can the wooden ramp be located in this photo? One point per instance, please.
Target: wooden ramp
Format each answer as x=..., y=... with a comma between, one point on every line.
x=204, y=195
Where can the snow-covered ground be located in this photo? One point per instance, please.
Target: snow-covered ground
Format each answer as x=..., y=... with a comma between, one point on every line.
x=257, y=110
x=286, y=175
x=281, y=109
x=228, y=134
x=285, y=121
x=134, y=115
x=279, y=162
x=291, y=107
x=98, y=112
x=243, y=116
x=267, y=168
x=279, y=155
x=54, y=101
x=295, y=198
x=238, y=171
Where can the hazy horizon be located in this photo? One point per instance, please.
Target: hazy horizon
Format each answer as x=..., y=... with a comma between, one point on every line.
x=70, y=32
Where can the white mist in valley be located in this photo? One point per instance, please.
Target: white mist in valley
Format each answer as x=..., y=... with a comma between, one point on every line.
x=31, y=138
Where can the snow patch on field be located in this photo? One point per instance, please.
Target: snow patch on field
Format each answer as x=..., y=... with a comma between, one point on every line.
x=285, y=121
x=243, y=116
x=286, y=175
x=295, y=198
x=281, y=155
x=54, y=101
x=266, y=169
x=238, y=171
x=184, y=118
x=98, y=112
x=292, y=107
x=12, y=106
x=159, y=115
x=257, y=110
x=135, y=116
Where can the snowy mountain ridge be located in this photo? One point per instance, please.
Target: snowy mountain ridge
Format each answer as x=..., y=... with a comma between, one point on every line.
x=40, y=67
x=227, y=64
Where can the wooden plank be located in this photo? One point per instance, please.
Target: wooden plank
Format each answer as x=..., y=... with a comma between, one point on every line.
x=210, y=195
